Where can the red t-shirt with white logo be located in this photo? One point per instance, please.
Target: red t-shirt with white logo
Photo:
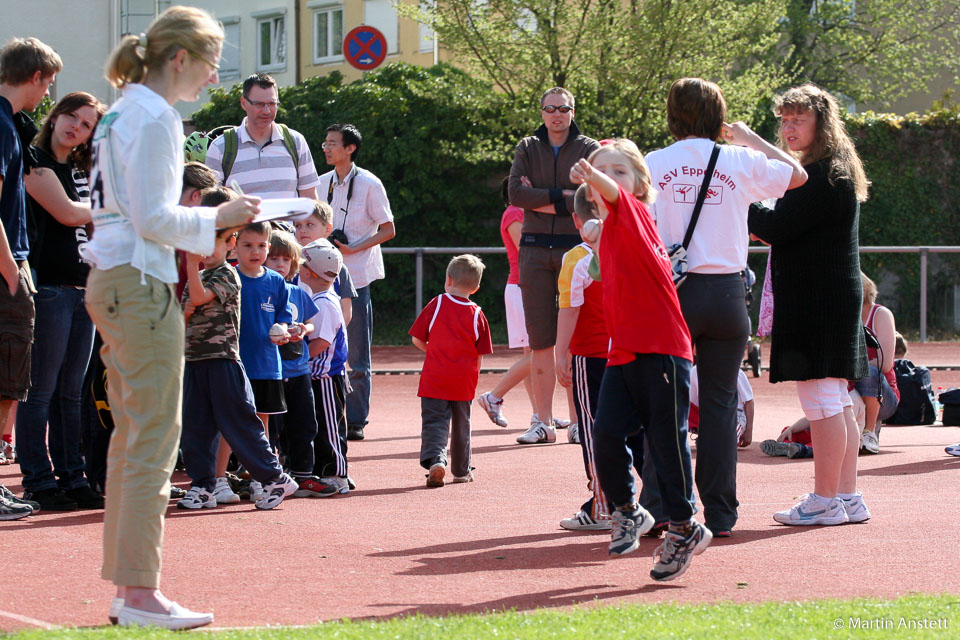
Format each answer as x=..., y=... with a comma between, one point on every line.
x=639, y=299
x=457, y=334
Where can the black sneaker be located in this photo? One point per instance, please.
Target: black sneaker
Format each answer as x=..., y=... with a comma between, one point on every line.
x=6, y=494
x=52, y=500
x=85, y=497
x=354, y=433
x=177, y=493
x=677, y=551
x=11, y=511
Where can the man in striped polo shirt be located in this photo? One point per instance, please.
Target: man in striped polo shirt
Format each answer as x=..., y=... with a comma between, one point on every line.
x=263, y=162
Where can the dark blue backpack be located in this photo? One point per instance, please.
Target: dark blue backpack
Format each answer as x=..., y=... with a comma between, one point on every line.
x=916, y=395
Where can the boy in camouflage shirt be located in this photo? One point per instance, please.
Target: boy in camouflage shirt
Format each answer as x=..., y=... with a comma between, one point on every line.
x=217, y=398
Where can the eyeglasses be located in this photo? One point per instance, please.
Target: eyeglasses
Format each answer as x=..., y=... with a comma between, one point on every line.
x=199, y=57
x=256, y=104
x=329, y=145
x=550, y=108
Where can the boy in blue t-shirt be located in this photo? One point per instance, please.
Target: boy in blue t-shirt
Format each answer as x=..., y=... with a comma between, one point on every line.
x=328, y=355
x=263, y=306
x=300, y=421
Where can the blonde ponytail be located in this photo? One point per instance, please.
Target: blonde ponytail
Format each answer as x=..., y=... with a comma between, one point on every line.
x=127, y=63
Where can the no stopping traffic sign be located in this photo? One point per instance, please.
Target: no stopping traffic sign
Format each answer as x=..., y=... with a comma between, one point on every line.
x=365, y=48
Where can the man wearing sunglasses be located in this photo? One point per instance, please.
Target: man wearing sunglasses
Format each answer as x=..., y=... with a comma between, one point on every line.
x=265, y=158
x=543, y=162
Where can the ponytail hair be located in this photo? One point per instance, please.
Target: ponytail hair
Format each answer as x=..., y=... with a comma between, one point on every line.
x=176, y=28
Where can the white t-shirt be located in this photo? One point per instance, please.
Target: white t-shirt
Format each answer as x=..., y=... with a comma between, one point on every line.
x=742, y=176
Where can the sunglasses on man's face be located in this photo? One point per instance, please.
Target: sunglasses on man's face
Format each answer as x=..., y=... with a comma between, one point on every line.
x=550, y=108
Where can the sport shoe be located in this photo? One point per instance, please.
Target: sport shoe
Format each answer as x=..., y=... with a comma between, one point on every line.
x=51, y=500
x=435, y=475
x=9, y=451
x=627, y=529
x=224, y=493
x=657, y=530
x=538, y=433
x=560, y=424
x=85, y=497
x=869, y=442
x=573, y=433
x=342, y=485
x=313, y=488
x=774, y=448
x=856, y=509
x=953, y=449
x=10, y=497
x=256, y=491
x=275, y=491
x=493, y=409
x=11, y=511
x=197, y=498
x=674, y=555
x=462, y=479
x=582, y=521
x=811, y=511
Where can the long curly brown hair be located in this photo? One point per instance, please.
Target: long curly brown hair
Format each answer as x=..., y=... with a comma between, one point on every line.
x=832, y=141
x=80, y=156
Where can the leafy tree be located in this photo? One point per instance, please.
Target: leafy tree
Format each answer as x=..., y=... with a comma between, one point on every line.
x=618, y=56
x=870, y=50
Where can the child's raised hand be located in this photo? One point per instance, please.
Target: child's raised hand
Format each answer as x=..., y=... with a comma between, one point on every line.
x=296, y=331
x=581, y=172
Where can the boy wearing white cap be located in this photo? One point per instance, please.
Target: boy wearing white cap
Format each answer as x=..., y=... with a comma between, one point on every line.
x=328, y=356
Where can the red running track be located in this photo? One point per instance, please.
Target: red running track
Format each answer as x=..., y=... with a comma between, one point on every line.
x=394, y=547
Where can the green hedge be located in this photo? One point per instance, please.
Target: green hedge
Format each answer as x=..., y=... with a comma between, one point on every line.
x=441, y=142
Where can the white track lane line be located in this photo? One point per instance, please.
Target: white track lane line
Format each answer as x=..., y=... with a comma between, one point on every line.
x=27, y=620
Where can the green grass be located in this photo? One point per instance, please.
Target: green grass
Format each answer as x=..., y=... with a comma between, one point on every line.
x=833, y=619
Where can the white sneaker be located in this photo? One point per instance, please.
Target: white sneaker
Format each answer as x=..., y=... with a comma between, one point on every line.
x=256, y=491
x=494, y=408
x=869, y=442
x=178, y=618
x=197, y=498
x=582, y=521
x=856, y=509
x=812, y=511
x=342, y=484
x=953, y=449
x=115, y=605
x=560, y=424
x=538, y=433
x=274, y=492
x=223, y=493
x=573, y=433
x=461, y=479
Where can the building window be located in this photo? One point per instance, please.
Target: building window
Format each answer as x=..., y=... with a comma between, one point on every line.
x=230, y=58
x=382, y=15
x=271, y=43
x=328, y=34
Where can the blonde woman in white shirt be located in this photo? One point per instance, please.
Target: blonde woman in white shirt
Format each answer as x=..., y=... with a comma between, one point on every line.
x=136, y=184
x=747, y=170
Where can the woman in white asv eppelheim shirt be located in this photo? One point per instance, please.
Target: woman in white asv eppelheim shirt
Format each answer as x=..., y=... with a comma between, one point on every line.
x=712, y=297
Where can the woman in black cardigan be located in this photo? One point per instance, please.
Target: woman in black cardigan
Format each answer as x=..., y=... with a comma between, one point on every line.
x=817, y=294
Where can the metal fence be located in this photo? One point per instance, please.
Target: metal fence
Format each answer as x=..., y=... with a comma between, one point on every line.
x=419, y=252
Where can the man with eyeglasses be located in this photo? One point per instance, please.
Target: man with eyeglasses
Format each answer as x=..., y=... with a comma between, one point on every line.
x=362, y=221
x=266, y=159
x=540, y=185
